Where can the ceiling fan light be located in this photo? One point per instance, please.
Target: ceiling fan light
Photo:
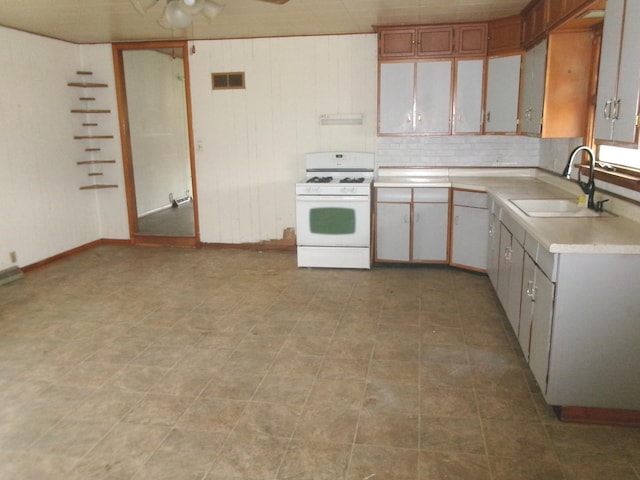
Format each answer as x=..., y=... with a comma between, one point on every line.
x=210, y=9
x=191, y=7
x=143, y=5
x=174, y=17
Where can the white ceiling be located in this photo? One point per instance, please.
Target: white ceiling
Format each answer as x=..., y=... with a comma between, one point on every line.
x=107, y=21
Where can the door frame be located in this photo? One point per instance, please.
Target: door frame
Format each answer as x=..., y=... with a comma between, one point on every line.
x=125, y=140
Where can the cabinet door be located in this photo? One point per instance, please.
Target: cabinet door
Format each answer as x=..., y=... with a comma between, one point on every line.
x=515, y=284
x=540, y=344
x=504, y=266
x=493, y=252
x=505, y=35
x=397, y=43
x=470, y=241
x=392, y=231
x=471, y=39
x=430, y=227
x=626, y=108
x=468, y=96
x=435, y=41
x=503, y=90
x=526, y=305
x=396, y=98
x=608, y=76
x=433, y=97
x=533, y=78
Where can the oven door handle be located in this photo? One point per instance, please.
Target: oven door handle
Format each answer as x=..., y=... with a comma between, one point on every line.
x=332, y=198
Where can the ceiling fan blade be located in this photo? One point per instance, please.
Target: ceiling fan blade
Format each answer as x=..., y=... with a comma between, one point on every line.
x=277, y=2
x=210, y=9
x=143, y=5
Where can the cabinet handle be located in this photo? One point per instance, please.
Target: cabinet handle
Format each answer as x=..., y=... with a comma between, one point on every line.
x=488, y=117
x=456, y=220
x=616, y=109
x=419, y=117
x=507, y=254
x=408, y=118
x=406, y=219
x=531, y=290
x=491, y=230
x=607, y=109
x=416, y=216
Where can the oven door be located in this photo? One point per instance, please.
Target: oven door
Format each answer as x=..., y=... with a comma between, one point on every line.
x=324, y=220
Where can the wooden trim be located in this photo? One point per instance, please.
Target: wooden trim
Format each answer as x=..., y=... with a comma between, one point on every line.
x=125, y=139
x=80, y=110
x=165, y=240
x=265, y=246
x=599, y=416
x=74, y=251
x=94, y=162
x=92, y=137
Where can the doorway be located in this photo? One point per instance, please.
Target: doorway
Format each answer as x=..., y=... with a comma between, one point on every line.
x=152, y=85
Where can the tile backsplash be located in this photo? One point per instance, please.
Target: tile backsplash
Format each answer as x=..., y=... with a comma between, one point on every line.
x=458, y=151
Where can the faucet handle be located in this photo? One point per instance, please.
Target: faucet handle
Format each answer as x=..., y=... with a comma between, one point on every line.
x=600, y=205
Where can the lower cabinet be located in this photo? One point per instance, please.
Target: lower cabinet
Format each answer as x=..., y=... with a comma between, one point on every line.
x=412, y=225
x=536, y=314
x=468, y=231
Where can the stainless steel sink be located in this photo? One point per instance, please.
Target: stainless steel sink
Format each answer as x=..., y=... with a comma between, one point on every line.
x=555, y=207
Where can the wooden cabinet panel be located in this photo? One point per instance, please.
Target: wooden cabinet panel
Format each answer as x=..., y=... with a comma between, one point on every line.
x=471, y=39
x=397, y=43
x=432, y=41
x=567, y=84
x=504, y=35
x=535, y=23
x=435, y=41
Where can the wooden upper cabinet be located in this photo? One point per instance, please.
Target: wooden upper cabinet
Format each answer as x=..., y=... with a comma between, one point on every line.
x=535, y=23
x=397, y=43
x=505, y=35
x=432, y=41
x=471, y=39
x=436, y=41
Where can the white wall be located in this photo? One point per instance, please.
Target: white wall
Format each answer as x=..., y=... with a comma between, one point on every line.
x=42, y=210
x=253, y=141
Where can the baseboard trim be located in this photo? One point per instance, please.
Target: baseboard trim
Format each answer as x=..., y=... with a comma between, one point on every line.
x=599, y=416
x=74, y=251
x=147, y=241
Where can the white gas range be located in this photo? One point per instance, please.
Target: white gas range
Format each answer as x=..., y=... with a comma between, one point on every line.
x=333, y=210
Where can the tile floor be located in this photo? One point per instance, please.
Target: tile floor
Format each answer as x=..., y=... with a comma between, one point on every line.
x=134, y=363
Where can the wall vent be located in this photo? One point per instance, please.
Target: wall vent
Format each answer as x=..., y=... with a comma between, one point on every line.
x=227, y=81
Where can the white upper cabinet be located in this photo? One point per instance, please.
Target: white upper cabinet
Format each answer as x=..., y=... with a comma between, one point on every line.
x=619, y=78
x=419, y=97
x=396, y=113
x=533, y=82
x=433, y=97
x=503, y=90
x=468, y=111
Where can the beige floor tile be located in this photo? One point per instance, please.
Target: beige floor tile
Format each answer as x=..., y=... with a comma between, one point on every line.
x=254, y=369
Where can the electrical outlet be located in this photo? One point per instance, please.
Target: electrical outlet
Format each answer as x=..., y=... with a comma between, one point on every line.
x=14, y=257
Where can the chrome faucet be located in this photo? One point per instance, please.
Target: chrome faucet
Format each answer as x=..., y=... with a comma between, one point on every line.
x=589, y=187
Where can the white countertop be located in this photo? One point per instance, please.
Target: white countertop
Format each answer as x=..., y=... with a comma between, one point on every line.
x=613, y=234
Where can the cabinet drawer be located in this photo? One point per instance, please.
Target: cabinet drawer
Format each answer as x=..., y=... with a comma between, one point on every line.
x=542, y=257
x=516, y=230
x=393, y=194
x=431, y=195
x=470, y=199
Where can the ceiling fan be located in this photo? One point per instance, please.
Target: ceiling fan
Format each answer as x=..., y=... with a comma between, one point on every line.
x=180, y=13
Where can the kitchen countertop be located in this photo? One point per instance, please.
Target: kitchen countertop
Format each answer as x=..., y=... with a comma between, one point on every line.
x=612, y=234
